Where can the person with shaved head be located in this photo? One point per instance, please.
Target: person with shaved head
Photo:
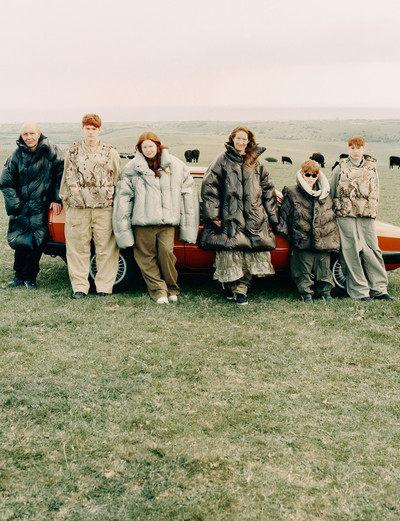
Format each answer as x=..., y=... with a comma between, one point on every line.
x=30, y=182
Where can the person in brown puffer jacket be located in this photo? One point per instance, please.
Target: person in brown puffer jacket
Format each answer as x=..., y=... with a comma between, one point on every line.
x=308, y=222
x=239, y=208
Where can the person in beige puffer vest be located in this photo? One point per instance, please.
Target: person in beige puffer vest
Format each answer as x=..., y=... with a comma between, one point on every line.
x=355, y=193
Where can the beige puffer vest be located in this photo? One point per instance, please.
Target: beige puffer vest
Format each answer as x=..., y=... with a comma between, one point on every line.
x=357, y=191
x=90, y=178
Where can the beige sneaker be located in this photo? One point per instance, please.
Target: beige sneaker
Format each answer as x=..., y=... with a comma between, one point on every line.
x=162, y=300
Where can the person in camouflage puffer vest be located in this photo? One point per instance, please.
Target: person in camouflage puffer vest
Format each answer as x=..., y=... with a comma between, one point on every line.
x=91, y=172
x=354, y=190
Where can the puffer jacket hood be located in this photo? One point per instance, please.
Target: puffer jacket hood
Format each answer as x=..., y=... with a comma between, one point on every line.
x=241, y=195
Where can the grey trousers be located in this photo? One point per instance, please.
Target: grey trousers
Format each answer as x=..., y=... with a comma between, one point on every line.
x=361, y=258
x=311, y=270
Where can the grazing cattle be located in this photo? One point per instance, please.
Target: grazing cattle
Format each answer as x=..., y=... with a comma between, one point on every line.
x=188, y=154
x=194, y=156
x=319, y=158
x=394, y=161
x=286, y=159
x=126, y=155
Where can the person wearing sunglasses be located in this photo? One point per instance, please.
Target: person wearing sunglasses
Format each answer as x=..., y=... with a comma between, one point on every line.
x=308, y=222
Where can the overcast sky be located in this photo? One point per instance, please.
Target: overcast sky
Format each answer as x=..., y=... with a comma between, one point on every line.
x=130, y=60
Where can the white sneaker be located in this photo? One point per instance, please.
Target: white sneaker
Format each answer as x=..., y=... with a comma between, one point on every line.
x=162, y=300
x=173, y=298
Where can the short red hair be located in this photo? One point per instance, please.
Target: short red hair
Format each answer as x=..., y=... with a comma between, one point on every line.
x=356, y=141
x=91, y=119
x=310, y=166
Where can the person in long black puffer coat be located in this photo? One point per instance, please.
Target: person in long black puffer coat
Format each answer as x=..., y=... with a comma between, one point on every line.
x=30, y=183
x=239, y=210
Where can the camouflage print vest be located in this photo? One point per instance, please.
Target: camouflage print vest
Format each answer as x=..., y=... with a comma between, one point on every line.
x=357, y=191
x=89, y=177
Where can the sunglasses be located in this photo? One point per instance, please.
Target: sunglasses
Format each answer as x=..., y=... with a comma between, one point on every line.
x=311, y=175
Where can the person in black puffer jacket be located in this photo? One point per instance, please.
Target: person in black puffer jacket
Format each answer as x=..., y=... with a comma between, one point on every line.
x=239, y=209
x=30, y=182
x=308, y=222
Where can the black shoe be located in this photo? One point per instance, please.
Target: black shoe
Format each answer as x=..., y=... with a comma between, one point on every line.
x=16, y=281
x=327, y=298
x=78, y=294
x=30, y=284
x=241, y=299
x=102, y=294
x=229, y=294
x=386, y=296
x=307, y=299
x=366, y=299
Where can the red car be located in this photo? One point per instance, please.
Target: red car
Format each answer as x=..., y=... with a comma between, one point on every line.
x=191, y=259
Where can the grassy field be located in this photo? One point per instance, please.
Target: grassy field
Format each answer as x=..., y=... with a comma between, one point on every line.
x=120, y=409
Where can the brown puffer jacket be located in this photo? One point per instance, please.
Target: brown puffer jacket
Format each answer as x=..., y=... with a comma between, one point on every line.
x=306, y=217
x=242, y=196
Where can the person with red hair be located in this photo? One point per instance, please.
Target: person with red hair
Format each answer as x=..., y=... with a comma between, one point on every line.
x=156, y=195
x=355, y=193
x=91, y=171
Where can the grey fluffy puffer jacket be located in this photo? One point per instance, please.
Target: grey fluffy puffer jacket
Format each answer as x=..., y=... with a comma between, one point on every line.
x=242, y=196
x=142, y=199
x=307, y=219
x=30, y=182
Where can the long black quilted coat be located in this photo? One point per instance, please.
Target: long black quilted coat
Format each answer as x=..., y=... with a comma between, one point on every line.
x=30, y=181
x=242, y=196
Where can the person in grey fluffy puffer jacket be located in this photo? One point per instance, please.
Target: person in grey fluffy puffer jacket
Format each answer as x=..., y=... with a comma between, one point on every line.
x=308, y=222
x=155, y=195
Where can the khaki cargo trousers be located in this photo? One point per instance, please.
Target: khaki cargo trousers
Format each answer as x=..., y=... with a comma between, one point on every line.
x=81, y=226
x=311, y=272
x=154, y=254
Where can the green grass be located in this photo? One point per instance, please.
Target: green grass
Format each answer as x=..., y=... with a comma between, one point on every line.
x=119, y=409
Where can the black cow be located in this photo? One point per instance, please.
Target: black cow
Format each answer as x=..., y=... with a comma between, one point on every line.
x=319, y=158
x=286, y=159
x=188, y=155
x=194, y=156
x=394, y=161
x=126, y=155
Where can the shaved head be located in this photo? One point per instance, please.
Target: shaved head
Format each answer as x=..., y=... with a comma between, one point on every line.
x=30, y=133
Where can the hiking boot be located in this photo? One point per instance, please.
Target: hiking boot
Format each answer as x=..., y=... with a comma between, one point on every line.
x=366, y=299
x=30, y=284
x=102, y=294
x=78, y=294
x=16, y=281
x=307, y=299
x=241, y=299
x=327, y=298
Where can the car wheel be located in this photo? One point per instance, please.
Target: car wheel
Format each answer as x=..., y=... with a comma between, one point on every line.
x=339, y=277
x=125, y=274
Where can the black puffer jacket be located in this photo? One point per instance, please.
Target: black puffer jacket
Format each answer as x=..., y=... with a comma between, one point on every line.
x=30, y=181
x=242, y=196
x=307, y=219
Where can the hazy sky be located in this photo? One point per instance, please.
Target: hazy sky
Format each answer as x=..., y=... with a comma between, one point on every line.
x=150, y=60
